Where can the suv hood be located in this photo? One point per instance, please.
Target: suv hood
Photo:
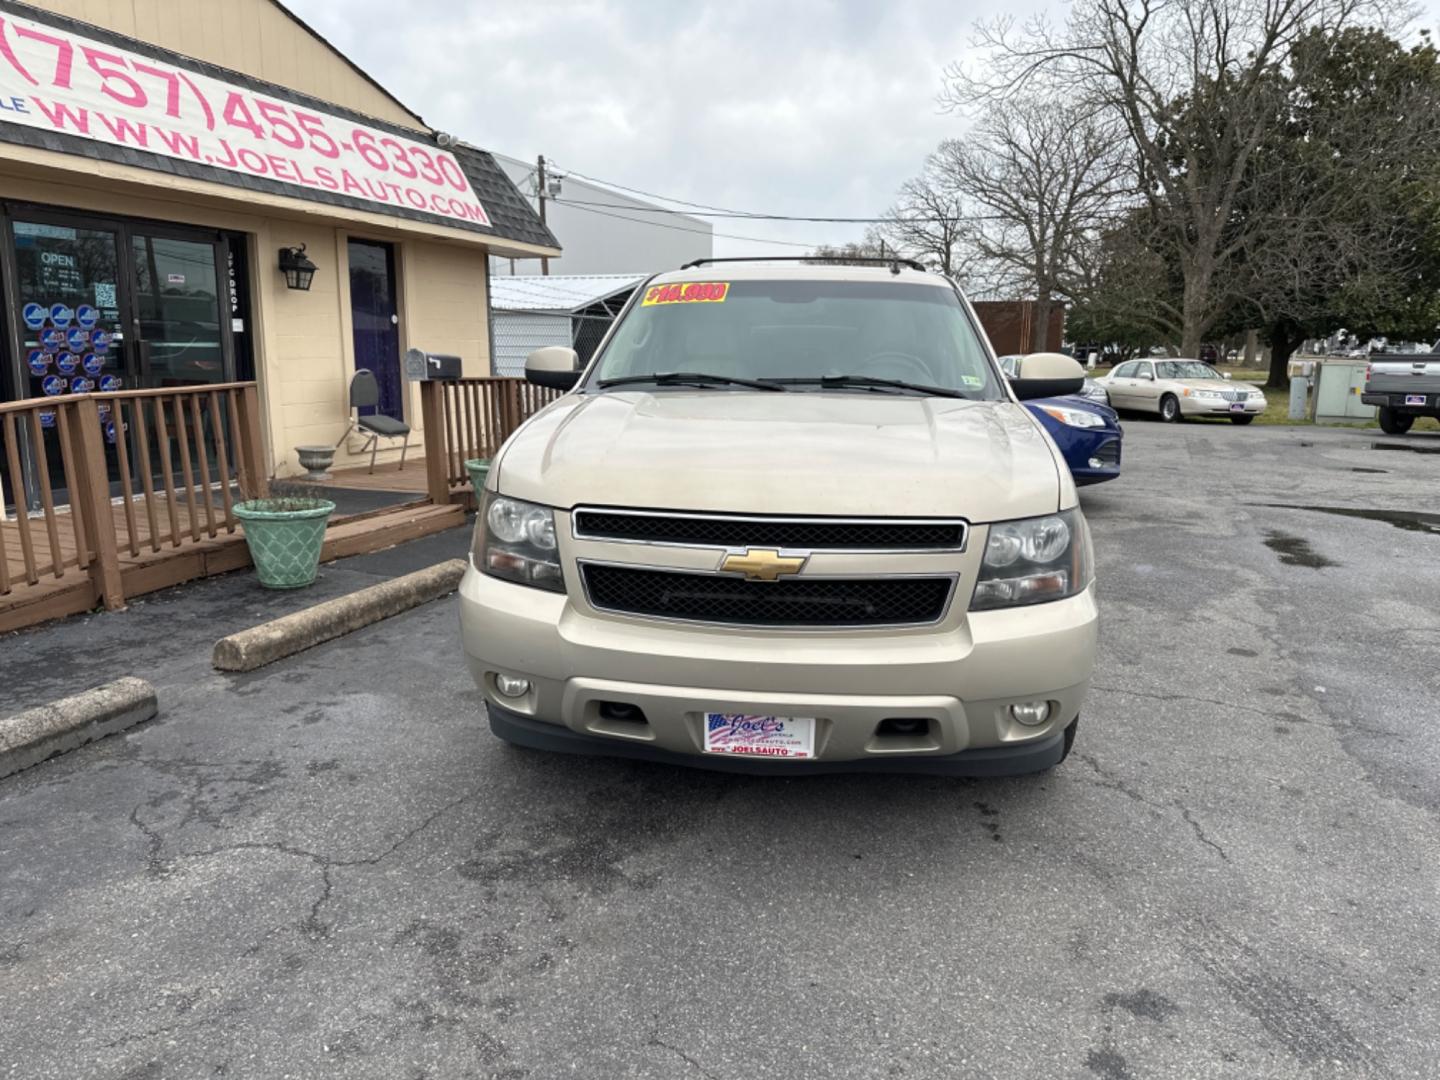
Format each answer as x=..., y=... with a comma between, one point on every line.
x=800, y=452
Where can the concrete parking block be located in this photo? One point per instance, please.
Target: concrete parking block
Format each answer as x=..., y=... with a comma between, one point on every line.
x=279, y=638
x=30, y=737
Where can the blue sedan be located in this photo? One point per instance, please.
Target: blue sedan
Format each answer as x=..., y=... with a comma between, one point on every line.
x=1087, y=432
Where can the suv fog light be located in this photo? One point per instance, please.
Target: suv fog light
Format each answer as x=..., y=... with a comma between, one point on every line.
x=1096, y=463
x=1031, y=713
x=512, y=686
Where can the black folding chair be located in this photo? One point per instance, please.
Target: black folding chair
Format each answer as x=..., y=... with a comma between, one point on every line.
x=364, y=394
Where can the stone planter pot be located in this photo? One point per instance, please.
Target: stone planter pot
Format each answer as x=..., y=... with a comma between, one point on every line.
x=479, y=469
x=285, y=536
x=316, y=461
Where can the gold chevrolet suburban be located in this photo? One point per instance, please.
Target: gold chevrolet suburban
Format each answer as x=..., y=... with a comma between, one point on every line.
x=789, y=518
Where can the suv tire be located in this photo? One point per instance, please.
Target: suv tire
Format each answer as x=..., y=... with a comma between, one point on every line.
x=1394, y=423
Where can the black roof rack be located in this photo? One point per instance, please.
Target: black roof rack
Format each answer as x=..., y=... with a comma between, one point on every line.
x=890, y=260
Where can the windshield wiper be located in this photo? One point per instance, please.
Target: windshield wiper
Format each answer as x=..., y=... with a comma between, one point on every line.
x=827, y=381
x=687, y=378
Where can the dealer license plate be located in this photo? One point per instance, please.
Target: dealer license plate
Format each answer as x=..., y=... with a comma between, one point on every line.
x=1414, y=399
x=1237, y=406
x=760, y=736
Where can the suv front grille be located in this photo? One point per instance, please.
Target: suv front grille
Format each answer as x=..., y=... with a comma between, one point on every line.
x=811, y=534
x=714, y=598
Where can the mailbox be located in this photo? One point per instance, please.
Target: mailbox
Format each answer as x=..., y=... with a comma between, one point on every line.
x=421, y=366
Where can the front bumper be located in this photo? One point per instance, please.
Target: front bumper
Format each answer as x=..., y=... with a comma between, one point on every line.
x=1193, y=406
x=960, y=680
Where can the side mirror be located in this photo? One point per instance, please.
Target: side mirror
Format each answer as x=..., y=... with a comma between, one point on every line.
x=555, y=367
x=1148, y=376
x=1045, y=375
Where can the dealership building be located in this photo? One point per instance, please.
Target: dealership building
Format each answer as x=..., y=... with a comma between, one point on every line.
x=195, y=193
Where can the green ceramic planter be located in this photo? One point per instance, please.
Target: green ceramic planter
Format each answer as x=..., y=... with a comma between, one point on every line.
x=285, y=537
x=478, y=468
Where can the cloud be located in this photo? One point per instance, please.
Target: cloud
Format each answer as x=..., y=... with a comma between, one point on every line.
x=816, y=107
x=819, y=107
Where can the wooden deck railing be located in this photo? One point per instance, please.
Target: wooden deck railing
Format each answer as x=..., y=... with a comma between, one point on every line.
x=471, y=418
x=137, y=471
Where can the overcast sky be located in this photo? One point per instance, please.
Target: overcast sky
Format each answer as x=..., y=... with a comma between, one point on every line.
x=817, y=107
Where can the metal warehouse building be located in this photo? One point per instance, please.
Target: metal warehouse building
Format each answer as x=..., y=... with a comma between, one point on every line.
x=531, y=312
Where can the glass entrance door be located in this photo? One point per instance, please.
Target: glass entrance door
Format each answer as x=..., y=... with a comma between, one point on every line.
x=109, y=304
x=373, y=314
x=177, y=335
x=69, y=287
x=68, y=292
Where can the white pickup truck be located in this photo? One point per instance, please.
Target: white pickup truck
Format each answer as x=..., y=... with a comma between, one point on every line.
x=1403, y=388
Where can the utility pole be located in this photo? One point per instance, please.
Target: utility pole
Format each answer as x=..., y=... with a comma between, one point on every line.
x=540, y=191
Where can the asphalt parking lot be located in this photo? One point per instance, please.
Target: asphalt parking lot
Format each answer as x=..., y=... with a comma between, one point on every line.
x=329, y=867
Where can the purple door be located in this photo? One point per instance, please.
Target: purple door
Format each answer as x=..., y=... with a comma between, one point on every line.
x=376, y=325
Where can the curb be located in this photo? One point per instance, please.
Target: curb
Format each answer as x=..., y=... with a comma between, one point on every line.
x=286, y=636
x=30, y=737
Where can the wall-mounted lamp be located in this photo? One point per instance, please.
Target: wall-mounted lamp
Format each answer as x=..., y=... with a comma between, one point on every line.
x=299, y=271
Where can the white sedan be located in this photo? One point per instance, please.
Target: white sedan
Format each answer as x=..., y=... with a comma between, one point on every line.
x=1179, y=388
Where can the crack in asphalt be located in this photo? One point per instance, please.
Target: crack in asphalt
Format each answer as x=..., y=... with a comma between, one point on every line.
x=655, y=1040
x=1285, y=717
x=1111, y=782
x=313, y=926
x=1200, y=833
x=154, y=865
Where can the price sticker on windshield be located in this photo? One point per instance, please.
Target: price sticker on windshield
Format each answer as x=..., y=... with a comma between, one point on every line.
x=690, y=292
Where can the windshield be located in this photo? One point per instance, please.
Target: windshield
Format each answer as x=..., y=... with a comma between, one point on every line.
x=1185, y=369
x=799, y=332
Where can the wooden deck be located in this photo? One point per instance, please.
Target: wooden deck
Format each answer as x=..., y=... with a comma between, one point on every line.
x=148, y=570
x=387, y=477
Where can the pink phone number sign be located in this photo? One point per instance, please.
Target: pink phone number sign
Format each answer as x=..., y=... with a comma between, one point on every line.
x=58, y=81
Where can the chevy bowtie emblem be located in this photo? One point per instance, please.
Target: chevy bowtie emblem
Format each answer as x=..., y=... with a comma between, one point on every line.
x=762, y=564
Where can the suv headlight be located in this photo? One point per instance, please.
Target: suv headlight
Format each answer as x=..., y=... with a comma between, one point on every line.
x=1075, y=417
x=515, y=540
x=1209, y=395
x=1034, y=560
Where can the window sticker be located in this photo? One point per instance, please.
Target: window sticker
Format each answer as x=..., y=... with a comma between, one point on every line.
x=92, y=364
x=52, y=385
x=87, y=316
x=100, y=340
x=690, y=292
x=110, y=382
x=78, y=339
x=105, y=295
x=39, y=361
x=60, y=315
x=51, y=339
x=47, y=418
x=67, y=363
x=34, y=315
x=81, y=386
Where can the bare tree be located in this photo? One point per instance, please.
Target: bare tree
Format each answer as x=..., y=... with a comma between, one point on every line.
x=1196, y=87
x=857, y=252
x=927, y=221
x=1038, y=180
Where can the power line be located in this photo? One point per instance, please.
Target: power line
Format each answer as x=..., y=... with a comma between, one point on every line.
x=653, y=195
x=750, y=217
x=681, y=228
